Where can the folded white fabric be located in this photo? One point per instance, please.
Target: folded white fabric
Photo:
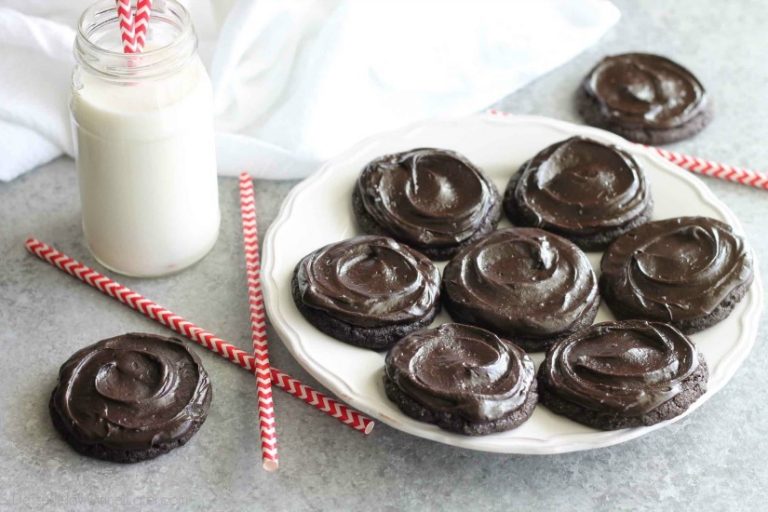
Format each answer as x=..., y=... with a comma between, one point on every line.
x=296, y=81
x=35, y=67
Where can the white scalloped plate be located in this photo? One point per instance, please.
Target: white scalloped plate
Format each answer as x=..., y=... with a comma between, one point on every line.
x=318, y=212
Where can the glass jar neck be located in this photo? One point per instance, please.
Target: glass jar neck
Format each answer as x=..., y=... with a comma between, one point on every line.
x=171, y=43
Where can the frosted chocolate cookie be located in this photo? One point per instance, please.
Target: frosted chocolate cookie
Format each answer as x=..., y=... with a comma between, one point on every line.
x=434, y=200
x=623, y=374
x=645, y=98
x=524, y=284
x=688, y=271
x=130, y=398
x=368, y=291
x=581, y=189
x=462, y=378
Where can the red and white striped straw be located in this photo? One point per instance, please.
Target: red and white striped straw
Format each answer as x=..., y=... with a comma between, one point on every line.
x=141, y=23
x=197, y=334
x=749, y=177
x=258, y=323
x=698, y=165
x=125, y=20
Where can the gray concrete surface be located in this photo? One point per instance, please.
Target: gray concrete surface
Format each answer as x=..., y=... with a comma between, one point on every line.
x=714, y=460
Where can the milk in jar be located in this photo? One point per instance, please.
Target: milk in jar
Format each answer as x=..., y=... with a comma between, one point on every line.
x=144, y=137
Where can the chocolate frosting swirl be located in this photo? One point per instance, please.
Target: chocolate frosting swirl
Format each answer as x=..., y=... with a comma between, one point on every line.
x=132, y=391
x=645, y=91
x=675, y=269
x=521, y=282
x=427, y=197
x=463, y=370
x=580, y=186
x=369, y=281
x=628, y=367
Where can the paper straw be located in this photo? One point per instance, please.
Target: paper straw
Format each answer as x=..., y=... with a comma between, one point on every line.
x=125, y=20
x=749, y=177
x=197, y=334
x=141, y=23
x=258, y=323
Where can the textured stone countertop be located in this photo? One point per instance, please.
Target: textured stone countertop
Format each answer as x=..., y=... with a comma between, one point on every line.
x=716, y=459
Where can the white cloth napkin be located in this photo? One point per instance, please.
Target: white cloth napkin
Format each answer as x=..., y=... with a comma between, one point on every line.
x=296, y=81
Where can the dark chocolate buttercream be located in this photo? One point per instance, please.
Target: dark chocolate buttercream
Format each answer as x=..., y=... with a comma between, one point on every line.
x=628, y=367
x=463, y=370
x=645, y=91
x=369, y=281
x=521, y=282
x=132, y=391
x=676, y=269
x=427, y=197
x=580, y=186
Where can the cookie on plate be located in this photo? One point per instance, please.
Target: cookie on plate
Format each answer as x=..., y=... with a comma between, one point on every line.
x=130, y=398
x=434, y=200
x=688, y=271
x=461, y=378
x=524, y=284
x=645, y=98
x=368, y=291
x=624, y=374
x=581, y=189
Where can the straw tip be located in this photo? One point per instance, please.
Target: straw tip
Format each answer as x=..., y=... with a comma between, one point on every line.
x=369, y=428
x=270, y=465
x=30, y=243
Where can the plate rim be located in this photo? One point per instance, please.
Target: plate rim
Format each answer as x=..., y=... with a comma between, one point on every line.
x=562, y=443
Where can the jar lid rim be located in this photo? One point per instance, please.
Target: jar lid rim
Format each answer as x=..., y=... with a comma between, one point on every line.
x=132, y=64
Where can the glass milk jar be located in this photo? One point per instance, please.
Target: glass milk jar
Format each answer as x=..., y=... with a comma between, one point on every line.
x=144, y=143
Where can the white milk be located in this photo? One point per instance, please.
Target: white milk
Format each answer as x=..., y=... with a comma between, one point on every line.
x=147, y=167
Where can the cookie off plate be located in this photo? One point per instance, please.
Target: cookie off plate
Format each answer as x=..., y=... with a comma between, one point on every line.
x=318, y=211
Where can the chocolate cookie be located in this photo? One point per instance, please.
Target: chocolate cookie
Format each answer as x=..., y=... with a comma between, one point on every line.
x=524, y=284
x=688, y=271
x=461, y=378
x=623, y=374
x=434, y=200
x=368, y=291
x=581, y=189
x=130, y=398
x=645, y=98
